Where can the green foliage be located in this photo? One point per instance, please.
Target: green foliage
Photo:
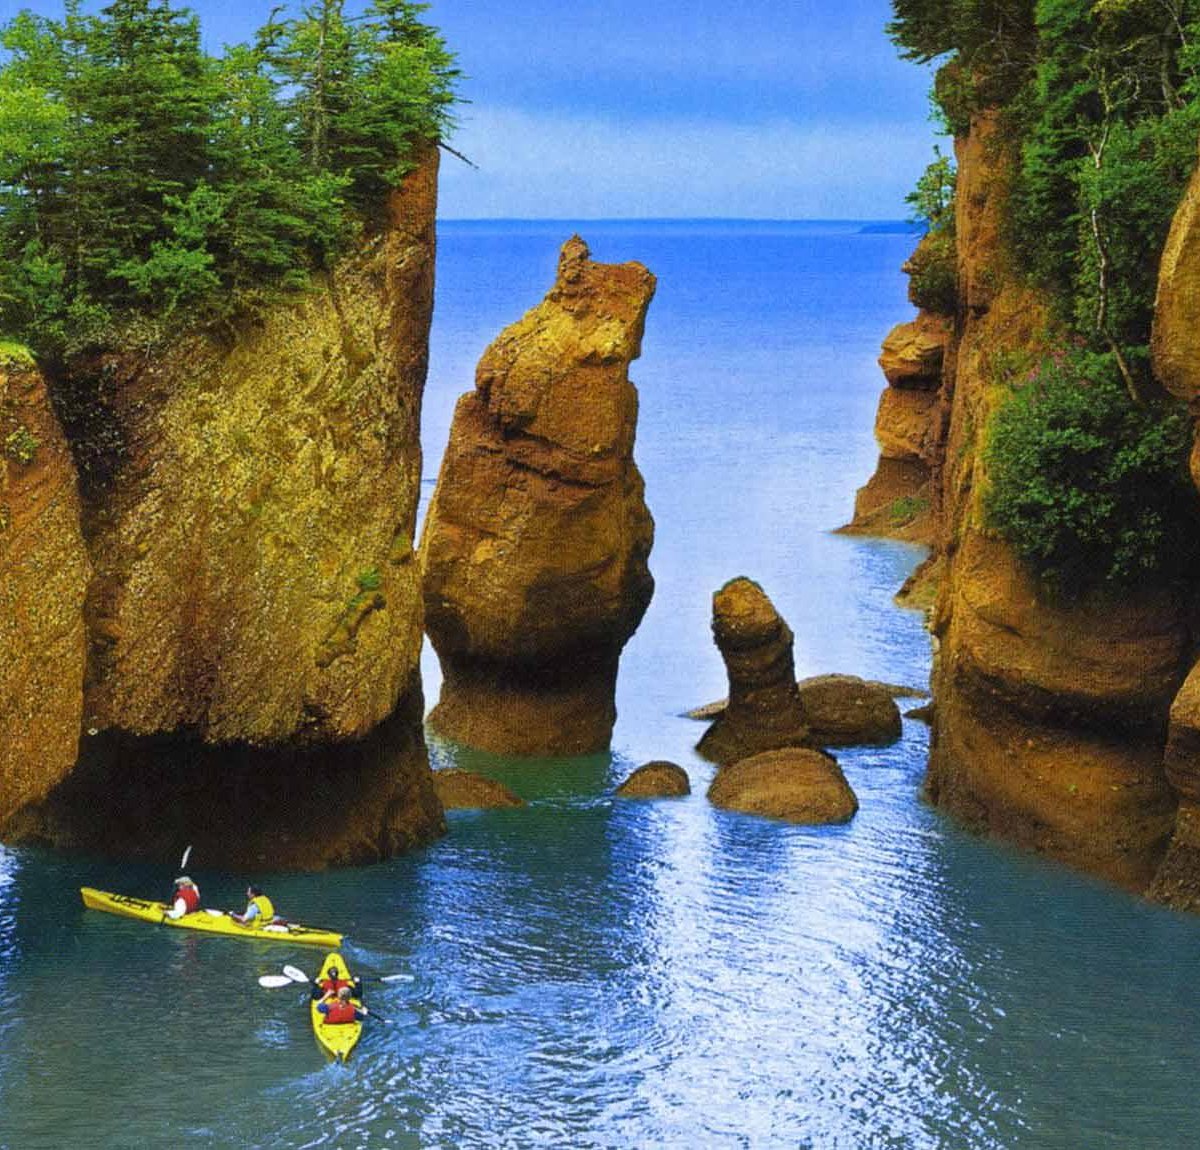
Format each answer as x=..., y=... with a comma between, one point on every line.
x=1088, y=487
x=905, y=509
x=932, y=200
x=15, y=354
x=933, y=273
x=142, y=179
x=369, y=579
x=21, y=445
x=1109, y=120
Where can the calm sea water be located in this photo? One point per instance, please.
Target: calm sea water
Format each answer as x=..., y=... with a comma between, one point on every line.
x=589, y=973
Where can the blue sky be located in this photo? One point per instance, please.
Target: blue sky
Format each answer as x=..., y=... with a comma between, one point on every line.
x=625, y=108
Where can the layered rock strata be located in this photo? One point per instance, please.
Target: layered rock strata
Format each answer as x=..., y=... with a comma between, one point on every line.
x=249, y=504
x=43, y=578
x=536, y=542
x=895, y=501
x=792, y=784
x=764, y=711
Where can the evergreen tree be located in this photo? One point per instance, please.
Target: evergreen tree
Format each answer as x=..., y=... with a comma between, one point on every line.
x=140, y=177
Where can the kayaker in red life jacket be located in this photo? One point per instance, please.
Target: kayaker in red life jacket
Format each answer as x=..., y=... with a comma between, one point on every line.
x=259, y=912
x=341, y=1009
x=187, y=898
x=326, y=988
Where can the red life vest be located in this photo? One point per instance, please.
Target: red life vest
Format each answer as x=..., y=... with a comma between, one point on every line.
x=190, y=896
x=340, y=1012
x=333, y=985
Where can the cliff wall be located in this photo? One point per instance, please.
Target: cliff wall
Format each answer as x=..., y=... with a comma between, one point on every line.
x=44, y=572
x=1051, y=714
x=254, y=613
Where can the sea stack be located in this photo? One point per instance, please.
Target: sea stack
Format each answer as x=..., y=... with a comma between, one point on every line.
x=535, y=547
x=253, y=619
x=764, y=711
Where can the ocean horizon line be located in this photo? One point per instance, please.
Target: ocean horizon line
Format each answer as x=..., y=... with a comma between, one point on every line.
x=897, y=223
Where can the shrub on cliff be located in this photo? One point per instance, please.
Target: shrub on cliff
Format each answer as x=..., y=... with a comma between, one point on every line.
x=1088, y=487
x=933, y=273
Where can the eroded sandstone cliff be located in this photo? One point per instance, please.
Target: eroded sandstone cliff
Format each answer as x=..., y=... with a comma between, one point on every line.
x=1051, y=713
x=254, y=617
x=896, y=500
x=43, y=579
x=536, y=542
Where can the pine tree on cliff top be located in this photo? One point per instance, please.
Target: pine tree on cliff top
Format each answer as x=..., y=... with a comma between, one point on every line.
x=141, y=178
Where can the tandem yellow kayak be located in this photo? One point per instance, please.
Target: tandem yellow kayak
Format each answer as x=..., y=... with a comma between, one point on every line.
x=211, y=921
x=338, y=1038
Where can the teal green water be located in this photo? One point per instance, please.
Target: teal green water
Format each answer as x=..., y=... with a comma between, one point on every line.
x=589, y=973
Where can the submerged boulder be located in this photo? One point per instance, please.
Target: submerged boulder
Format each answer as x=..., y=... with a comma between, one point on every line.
x=43, y=579
x=656, y=780
x=845, y=711
x=468, y=790
x=535, y=547
x=764, y=711
x=793, y=784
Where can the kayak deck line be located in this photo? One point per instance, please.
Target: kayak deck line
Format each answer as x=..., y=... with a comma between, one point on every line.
x=207, y=921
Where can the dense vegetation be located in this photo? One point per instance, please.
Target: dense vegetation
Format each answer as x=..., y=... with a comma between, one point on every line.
x=1104, y=97
x=1087, y=486
x=143, y=180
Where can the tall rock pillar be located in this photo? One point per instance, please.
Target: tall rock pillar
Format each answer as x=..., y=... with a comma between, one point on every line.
x=535, y=547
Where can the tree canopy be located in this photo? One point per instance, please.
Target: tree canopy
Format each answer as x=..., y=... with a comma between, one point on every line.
x=142, y=179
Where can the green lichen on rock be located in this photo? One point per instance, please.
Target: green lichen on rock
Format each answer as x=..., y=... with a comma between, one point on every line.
x=15, y=355
x=21, y=445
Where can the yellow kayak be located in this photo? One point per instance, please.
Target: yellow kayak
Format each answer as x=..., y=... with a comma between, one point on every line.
x=212, y=921
x=337, y=1038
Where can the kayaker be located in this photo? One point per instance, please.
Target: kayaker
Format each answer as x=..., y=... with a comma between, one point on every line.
x=342, y=1009
x=259, y=910
x=187, y=898
x=326, y=988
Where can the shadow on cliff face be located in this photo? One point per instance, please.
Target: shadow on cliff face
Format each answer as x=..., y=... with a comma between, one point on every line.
x=244, y=807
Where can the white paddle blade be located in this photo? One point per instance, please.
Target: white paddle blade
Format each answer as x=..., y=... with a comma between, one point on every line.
x=396, y=978
x=187, y=854
x=295, y=974
x=274, y=981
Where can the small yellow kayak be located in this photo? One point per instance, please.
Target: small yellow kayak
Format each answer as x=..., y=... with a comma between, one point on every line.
x=211, y=921
x=338, y=1038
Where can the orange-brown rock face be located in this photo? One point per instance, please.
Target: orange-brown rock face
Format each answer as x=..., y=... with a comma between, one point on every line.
x=1050, y=715
x=1175, y=343
x=1177, y=882
x=764, y=712
x=536, y=541
x=1175, y=350
x=43, y=577
x=895, y=501
x=249, y=504
x=792, y=784
x=253, y=543
x=913, y=353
